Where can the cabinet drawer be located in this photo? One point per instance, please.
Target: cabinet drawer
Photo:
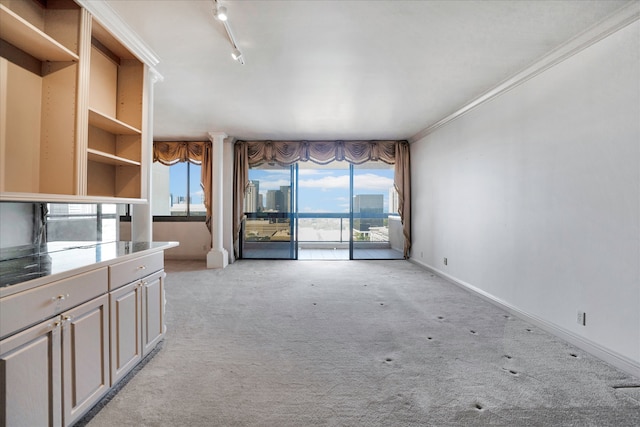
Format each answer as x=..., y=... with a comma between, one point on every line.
x=132, y=270
x=29, y=307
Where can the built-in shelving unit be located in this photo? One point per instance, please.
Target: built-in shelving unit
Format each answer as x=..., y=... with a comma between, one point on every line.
x=38, y=96
x=71, y=106
x=115, y=118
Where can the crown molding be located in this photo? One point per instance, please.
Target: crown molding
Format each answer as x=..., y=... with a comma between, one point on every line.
x=615, y=22
x=112, y=21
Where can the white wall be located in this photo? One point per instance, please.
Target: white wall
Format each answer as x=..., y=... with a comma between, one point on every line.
x=534, y=197
x=161, y=194
x=194, y=238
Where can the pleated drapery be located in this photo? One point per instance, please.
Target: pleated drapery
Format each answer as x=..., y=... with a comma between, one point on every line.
x=197, y=152
x=320, y=152
x=254, y=153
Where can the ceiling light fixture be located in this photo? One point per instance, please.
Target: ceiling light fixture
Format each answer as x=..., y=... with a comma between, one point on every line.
x=220, y=13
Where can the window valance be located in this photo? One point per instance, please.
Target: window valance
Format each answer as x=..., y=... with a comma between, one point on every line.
x=172, y=152
x=320, y=152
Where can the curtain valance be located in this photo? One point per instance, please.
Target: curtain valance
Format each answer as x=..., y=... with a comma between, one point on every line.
x=197, y=152
x=172, y=152
x=254, y=153
x=320, y=152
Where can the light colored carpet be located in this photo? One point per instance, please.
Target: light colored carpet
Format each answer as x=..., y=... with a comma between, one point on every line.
x=357, y=343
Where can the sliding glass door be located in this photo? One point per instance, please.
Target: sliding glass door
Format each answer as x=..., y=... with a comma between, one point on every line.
x=269, y=229
x=323, y=216
x=377, y=229
x=308, y=211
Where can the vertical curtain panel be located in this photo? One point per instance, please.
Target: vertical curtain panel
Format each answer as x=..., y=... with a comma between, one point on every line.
x=253, y=153
x=197, y=152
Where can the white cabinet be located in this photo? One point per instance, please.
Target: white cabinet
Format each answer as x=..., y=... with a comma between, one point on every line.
x=126, y=330
x=152, y=311
x=52, y=373
x=85, y=357
x=30, y=375
x=137, y=322
x=66, y=342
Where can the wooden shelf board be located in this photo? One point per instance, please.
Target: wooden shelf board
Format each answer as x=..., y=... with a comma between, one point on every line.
x=23, y=35
x=64, y=198
x=110, y=124
x=110, y=159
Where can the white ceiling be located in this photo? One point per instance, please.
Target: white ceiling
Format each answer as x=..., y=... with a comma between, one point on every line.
x=327, y=70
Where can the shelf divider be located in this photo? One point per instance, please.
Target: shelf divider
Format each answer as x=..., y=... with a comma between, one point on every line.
x=109, y=159
x=110, y=124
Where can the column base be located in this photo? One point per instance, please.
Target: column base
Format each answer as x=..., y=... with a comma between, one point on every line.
x=217, y=258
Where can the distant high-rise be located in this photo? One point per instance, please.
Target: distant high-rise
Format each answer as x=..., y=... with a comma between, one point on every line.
x=252, y=197
x=275, y=201
x=393, y=200
x=364, y=204
x=286, y=195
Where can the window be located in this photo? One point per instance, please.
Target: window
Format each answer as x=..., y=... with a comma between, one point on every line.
x=81, y=222
x=177, y=193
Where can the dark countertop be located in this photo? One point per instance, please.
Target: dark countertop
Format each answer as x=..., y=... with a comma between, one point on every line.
x=60, y=259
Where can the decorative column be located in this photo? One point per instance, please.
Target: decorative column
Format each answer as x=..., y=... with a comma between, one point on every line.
x=218, y=257
x=141, y=215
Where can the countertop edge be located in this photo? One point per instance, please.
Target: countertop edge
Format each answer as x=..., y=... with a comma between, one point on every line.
x=40, y=281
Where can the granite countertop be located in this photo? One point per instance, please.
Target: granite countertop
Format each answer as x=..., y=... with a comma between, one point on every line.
x=28, y=263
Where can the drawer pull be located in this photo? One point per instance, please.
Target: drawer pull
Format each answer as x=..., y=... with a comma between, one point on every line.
x=61, y=322
x=142, y=267
x=60, y=297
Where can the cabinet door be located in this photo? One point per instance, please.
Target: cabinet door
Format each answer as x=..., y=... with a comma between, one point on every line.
x=85, y=357
x=126, y=329
x=152, y=310
x=30, y=377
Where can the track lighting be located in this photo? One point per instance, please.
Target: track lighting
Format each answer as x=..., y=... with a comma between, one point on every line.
x=220, y=13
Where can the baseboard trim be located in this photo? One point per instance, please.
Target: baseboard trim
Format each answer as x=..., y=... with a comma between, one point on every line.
x=613, y=358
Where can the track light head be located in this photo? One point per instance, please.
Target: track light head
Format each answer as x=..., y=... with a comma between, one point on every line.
x=237, y=55
x=221, y=13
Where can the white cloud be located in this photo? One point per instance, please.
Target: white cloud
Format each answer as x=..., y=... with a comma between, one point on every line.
x=370, y=181
x=308, y=172
x=326, y=182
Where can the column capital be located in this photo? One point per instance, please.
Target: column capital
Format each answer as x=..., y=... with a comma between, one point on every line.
x=217, y=136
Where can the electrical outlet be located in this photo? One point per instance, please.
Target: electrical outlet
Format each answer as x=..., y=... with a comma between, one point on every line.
x=445, y=261
x=582, y=318
x=421, y=255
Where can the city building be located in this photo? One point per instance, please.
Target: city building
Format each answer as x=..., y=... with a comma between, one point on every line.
x=364, y=205
x=252, y=202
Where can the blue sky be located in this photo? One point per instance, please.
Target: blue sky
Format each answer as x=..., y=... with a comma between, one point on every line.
x=178, y=182
x=327, y=190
